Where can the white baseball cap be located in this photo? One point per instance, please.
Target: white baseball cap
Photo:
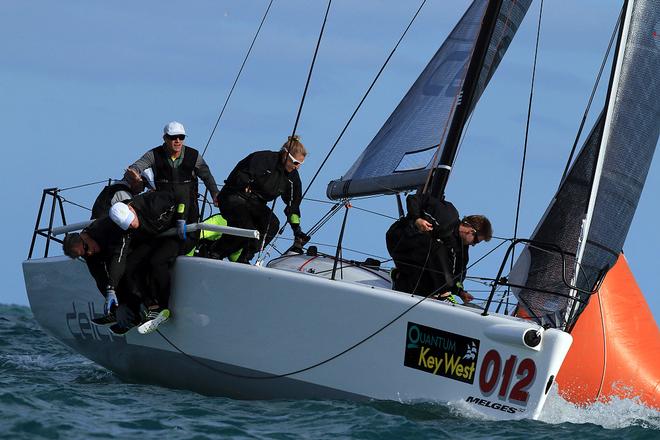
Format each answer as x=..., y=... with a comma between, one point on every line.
x=121, y=215
x=174, y=128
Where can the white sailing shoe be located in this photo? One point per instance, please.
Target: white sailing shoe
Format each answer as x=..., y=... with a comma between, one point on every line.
x=153, y=319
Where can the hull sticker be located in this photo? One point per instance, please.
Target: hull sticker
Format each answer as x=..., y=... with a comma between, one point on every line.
x=441, y=353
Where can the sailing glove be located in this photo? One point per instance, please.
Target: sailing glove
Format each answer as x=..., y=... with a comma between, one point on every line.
x=181, y=229
x=110, y=301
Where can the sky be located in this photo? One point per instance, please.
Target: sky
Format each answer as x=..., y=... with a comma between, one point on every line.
x=87, y=86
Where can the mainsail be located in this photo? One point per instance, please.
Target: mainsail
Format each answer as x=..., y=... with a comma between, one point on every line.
x=591, y=213
x=401, y=154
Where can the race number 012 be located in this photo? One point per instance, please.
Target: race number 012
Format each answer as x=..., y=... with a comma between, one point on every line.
x=489, y=376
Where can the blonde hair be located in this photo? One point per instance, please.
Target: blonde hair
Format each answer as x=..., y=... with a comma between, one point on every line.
x=294, y=147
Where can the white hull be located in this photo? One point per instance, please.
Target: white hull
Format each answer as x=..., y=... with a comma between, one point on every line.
x=236, y=326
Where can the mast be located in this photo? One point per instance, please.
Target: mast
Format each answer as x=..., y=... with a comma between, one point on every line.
x=466, y=97
x=602, y=148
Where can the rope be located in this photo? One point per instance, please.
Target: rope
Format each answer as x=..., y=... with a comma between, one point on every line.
x=301, y=370
x=231, y=91
x=311, y=69
x=341, y=134
x=312, y=366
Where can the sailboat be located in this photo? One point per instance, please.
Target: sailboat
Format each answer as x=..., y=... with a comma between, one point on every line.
x=316, y=326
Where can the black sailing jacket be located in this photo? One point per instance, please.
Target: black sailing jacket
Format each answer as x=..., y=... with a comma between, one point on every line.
x=264, y=175
x=156, y=211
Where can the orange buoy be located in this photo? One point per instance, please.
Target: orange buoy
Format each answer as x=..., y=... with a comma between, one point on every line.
x=616, y=346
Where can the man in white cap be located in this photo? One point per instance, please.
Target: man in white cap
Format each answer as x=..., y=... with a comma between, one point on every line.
x=124, y=216
x=176, y=168
x=143, y=219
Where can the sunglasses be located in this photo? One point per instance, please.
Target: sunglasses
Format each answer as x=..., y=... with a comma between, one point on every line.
x=85, y=246
x=475, y=233
x=294, y=160
x=175, y=136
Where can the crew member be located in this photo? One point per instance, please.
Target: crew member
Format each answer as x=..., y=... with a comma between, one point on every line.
x=115, y=247
x=176, y=168
x=430, y=247
x=96, y=244
x=144, y=219
x=260, y=178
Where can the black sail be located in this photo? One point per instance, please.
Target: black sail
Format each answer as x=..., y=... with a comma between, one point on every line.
x=400, y=155
x=594, y=207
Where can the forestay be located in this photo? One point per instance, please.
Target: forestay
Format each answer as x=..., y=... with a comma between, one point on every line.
x=401, y=154
x=590, y=215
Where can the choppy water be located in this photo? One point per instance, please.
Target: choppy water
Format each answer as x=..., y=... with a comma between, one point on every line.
x=46, y=391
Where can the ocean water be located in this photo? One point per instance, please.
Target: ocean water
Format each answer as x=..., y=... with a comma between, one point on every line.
x=47, y=391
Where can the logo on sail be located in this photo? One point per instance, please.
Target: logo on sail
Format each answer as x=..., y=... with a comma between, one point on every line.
x=441, y=353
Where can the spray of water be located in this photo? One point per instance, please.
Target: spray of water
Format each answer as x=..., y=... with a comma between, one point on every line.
x=615, y=413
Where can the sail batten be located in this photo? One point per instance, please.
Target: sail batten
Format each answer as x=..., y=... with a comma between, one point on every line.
x=415, y=132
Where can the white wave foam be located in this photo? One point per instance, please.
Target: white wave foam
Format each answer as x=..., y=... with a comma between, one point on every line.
x=41, y=361
x=616, y=413
x=26, y=361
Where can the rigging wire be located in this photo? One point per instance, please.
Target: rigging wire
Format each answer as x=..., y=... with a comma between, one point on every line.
x=295, y=125
x=83, y=185
x=311, y=69
x=74, y=204
x=355, y=207
x=579, y=132
x=231, y=91
x=529, y=117
x=324, y=219
x=350, y=119
x=316, y=243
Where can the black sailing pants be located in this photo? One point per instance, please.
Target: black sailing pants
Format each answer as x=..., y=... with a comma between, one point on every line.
x=149, y=269
x=247, y=213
